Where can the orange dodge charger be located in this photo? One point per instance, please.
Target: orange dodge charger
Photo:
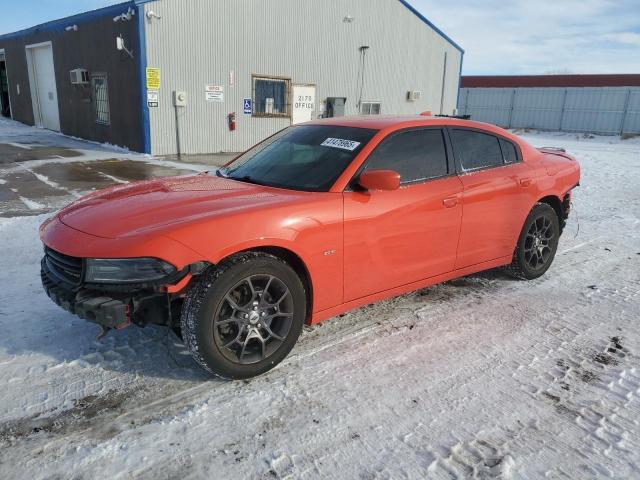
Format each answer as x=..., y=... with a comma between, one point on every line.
x=316, y=220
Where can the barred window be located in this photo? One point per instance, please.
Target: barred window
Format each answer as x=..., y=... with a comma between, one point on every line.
x=271, y=97
x=101, y=98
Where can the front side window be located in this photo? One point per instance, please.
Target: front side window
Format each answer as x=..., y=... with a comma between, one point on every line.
x=476, y=150
x=306, y=157
x=415, y=154
x=101, y=98
x=271, y=97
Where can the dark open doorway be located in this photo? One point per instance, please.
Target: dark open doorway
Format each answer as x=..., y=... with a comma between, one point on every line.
x=5, y=107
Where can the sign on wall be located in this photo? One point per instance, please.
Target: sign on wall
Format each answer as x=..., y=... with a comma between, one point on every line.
x=304, y=103
x=247, y=106
x=153, y=98
x=153, y=78
x=214, y=93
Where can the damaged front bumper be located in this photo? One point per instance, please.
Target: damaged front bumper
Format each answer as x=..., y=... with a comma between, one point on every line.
x=110, y=309
x=92, y=306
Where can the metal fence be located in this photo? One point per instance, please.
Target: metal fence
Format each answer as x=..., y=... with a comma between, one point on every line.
x=606, y=110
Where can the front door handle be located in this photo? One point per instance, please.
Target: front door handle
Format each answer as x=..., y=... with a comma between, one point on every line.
x=525, y=182
x=450, y=202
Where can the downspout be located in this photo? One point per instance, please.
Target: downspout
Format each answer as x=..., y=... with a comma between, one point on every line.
x=142, y=75
x=444, y=82
x=459, y=81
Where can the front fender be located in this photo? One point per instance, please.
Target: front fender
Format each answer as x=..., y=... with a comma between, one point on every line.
x=313, y=232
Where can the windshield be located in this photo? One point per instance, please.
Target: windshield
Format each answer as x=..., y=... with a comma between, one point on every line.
x=308, y=157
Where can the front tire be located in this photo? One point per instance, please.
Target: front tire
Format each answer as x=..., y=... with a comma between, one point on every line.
x=244, y=316
x=537, y=244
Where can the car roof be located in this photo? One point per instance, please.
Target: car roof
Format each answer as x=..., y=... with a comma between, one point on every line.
x=381, y=122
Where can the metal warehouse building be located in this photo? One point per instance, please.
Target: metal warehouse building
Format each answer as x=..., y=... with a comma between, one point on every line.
x=209, y=76
x=605, y=104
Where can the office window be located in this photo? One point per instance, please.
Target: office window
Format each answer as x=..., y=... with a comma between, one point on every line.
x=101, y=98
x=370, y=108
x=271, y=97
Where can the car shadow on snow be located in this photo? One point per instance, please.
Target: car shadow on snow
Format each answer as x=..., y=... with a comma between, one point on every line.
x=51, y=339
x=154, y=351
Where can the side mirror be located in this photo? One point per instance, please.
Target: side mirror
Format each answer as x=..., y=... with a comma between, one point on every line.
x=379, y=180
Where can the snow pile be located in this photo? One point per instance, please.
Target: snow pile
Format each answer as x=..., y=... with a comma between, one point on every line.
x=480, y=377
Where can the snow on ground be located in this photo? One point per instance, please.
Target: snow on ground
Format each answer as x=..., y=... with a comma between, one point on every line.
x=20, y=134
x=481, y=377
x=23, y=136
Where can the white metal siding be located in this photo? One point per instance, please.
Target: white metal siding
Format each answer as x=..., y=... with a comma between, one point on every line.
x=606, y=110
x=200, y=43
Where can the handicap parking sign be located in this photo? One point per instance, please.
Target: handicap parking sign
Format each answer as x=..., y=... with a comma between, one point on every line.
x=248, y=107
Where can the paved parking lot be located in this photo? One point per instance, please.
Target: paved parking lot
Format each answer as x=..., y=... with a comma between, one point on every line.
x=42, y=171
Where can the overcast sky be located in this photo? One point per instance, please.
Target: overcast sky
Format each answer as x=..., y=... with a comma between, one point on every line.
x=499, y=36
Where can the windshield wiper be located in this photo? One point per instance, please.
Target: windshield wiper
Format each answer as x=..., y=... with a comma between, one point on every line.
x=247, y=179
x=220, y=172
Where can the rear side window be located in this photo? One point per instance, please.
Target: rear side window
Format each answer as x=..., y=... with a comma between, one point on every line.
x=509, y=151
x=476, y=150
x=415, y=154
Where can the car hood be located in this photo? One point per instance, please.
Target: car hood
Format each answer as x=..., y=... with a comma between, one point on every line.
x=160, y=204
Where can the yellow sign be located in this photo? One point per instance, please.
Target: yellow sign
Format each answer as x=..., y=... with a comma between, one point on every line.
x=153, y=78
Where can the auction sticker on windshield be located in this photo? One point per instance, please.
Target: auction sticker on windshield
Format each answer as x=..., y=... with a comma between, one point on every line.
x=342, y=144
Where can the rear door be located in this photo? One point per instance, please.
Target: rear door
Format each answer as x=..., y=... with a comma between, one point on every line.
x=394, y=238
x=498, y=195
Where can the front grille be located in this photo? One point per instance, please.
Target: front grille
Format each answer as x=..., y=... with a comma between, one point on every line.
x=67, y=269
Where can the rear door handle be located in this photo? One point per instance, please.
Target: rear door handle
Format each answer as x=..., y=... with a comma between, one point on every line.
x=525, y=182
x=450, y=202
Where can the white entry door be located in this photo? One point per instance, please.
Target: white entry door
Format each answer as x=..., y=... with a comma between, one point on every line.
x=42, y=80
x=304, y=103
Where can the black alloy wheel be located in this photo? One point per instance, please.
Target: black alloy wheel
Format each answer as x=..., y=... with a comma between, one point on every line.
x=243, y=316
x=537, y=244
x=253, y=319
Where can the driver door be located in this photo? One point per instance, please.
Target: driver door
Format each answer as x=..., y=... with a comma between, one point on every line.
x=394, y=238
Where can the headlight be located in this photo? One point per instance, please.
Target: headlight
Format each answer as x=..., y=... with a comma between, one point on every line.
x=126, y=270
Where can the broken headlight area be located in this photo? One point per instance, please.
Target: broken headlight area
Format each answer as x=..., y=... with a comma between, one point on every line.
x=113, y=293
x=126, y=270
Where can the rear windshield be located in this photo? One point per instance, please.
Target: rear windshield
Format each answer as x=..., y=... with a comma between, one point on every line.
x=307, y=157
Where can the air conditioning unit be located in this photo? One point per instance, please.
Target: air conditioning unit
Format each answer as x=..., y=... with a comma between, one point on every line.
x=79, y=76
x=414, y=95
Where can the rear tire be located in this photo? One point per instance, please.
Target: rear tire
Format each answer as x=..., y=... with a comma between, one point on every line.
x=244, y=316
x=537, y=244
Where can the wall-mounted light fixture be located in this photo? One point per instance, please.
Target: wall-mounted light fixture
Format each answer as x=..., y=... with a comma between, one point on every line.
x=348, y=19
x=72, y=28
x=128, y=15
x=151, y=14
